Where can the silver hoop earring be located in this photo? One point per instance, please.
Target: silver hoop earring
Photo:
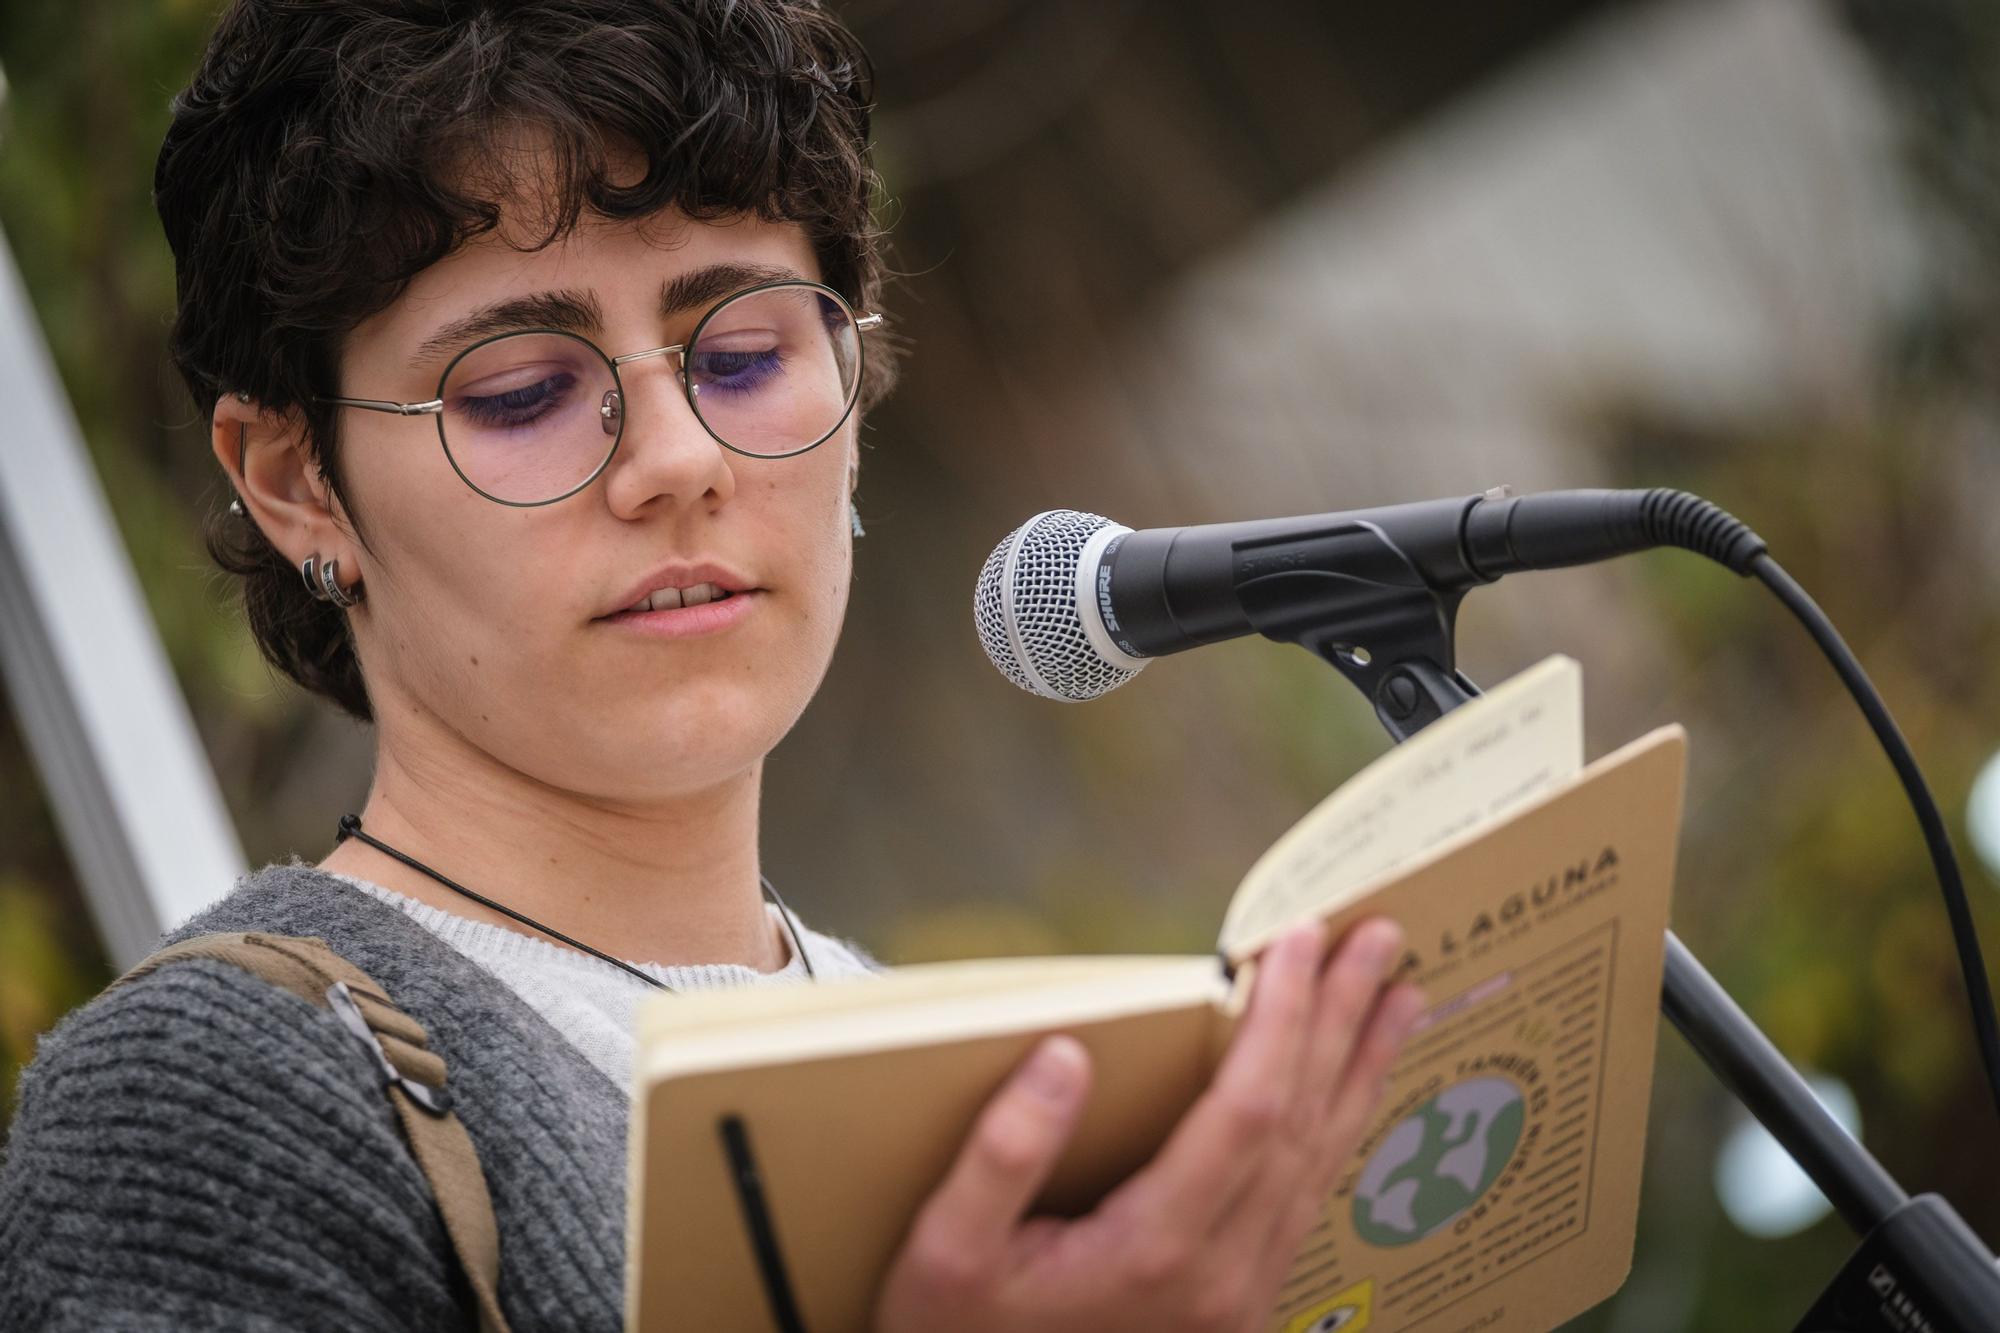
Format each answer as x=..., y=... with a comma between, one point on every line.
x=329, y=577
x=323, y=582
x=309, y=571
x=854, y=519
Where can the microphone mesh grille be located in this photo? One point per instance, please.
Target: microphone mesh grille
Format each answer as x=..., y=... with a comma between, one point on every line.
x=1037, y=607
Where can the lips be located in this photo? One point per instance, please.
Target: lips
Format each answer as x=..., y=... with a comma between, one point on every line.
x=676, y=585
x=683, y=622
x=673, y=599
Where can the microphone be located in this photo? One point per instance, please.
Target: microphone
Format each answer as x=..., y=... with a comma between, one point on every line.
x=1072, y=605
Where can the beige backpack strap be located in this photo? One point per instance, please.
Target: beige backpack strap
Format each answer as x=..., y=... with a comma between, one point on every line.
x=413, y=1074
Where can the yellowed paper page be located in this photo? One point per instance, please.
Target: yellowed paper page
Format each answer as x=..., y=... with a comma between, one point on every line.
x=1470, y=767
x=918, y=1005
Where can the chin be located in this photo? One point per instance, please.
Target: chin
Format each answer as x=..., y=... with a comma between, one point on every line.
x=671, y=728
x=671, y=747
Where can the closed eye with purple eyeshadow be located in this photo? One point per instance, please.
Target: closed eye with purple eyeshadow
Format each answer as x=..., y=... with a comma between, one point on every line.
x=735, y=372
x=517, y=407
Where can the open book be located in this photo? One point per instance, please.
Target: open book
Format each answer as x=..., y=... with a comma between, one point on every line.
x=783, y=1138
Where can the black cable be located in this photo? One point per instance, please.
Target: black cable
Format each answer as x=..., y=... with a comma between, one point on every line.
x=1979, y=991
x=791, y=924
x=1664, y=517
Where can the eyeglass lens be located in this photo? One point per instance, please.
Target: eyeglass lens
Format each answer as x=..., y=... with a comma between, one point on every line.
x=529, y=417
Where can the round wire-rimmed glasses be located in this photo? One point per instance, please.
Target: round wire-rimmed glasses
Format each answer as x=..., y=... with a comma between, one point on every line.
x=532, y=416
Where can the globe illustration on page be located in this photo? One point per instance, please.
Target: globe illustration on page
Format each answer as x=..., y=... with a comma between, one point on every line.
x=1437, y=1161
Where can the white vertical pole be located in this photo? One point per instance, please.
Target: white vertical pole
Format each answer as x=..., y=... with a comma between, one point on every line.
x=134, y=796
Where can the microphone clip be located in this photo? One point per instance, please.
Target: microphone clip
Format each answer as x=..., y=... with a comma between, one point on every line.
x=1373, y=615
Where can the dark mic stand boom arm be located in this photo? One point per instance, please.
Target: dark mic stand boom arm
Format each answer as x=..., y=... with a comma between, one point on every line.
x=1920, y=1268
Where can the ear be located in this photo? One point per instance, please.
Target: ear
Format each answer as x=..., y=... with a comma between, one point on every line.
x=265, y=457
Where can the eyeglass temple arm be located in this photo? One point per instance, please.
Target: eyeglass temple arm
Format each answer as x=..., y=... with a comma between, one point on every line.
x=432, y=408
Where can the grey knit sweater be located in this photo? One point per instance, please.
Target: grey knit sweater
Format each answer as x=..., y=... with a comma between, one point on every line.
x=200, y=1150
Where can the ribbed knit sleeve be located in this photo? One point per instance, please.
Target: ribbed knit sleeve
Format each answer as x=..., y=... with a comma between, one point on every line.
x=199, y=1150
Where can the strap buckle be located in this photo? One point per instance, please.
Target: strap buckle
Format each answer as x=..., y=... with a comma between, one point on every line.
x=437, y=1101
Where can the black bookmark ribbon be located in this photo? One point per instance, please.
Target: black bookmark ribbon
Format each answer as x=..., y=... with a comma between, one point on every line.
x=757, y=1220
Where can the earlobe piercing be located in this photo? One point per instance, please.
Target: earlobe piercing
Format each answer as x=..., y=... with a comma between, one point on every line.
x=323, y=582
x=854, y=519
x=236, y=502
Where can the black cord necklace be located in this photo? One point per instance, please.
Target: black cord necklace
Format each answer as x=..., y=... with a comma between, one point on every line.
x=350, y=827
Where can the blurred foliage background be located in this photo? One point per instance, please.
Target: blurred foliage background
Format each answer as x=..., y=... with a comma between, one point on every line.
x=1177, y=263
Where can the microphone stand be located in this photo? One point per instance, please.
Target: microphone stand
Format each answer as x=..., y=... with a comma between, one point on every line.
x=1919, y=1267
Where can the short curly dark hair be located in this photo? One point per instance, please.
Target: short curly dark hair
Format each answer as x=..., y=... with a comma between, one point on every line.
x=327, y=151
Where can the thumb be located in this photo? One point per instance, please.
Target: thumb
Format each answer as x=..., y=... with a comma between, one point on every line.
x=1006, y=1161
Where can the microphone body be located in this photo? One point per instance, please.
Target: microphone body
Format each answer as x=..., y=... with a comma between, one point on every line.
x=1165, y=590
x=1071, y=605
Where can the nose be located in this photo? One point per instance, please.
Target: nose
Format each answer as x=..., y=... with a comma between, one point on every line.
x=665, y=451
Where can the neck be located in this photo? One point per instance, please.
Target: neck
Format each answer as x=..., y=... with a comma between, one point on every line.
x=673, y=882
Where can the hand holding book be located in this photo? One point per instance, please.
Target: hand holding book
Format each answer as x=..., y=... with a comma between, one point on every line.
x=1202, y=1236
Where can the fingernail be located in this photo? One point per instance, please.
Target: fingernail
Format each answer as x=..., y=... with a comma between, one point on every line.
x=1379, y=948
x=1055, y=1071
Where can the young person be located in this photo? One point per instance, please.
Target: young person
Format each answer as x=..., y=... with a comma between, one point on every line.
x=536, y=338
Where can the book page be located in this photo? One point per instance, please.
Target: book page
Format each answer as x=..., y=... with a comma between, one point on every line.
x=669, y=1017
x=913, y=1005
x=1466, y=770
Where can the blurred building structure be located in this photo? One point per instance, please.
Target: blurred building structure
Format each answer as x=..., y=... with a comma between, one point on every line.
x=1695, y=207
x=1694, y=204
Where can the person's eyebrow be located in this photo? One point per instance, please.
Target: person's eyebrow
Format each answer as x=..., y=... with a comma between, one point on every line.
x=579, y=312
x=570, y=311
x=699, y=287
